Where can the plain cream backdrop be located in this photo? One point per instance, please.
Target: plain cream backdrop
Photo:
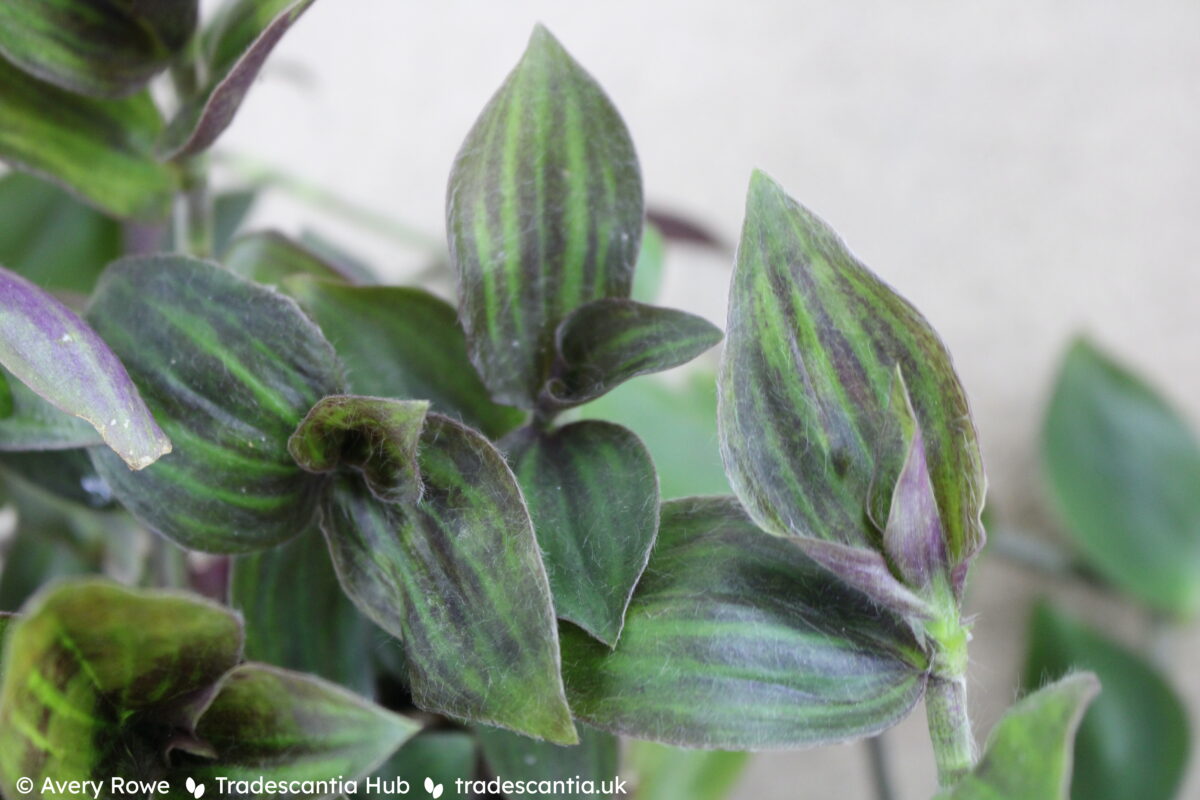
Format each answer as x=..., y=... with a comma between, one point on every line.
x=1019, y=171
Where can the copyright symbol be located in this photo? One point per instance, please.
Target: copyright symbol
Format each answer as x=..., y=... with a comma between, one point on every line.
x=24, y=785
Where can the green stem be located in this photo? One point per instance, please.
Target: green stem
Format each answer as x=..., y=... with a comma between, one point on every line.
x=194, y=213
x=880, y=775
x=950, y=728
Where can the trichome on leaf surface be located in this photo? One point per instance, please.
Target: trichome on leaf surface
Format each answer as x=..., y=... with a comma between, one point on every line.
x=424, y=547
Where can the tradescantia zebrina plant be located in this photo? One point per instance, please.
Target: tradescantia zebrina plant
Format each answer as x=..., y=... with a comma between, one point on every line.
x=422, y=547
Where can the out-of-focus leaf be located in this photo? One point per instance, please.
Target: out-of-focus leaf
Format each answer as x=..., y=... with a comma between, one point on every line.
x=54, y=352
x=1123, y=470
x=1028, y=755
x=51, y=238
x=374, y=435
x=6, y=397
x=35, y=424
x=662, y=772
x=544, y=214
x=66, y=474
x=593, y=497
x=651, y=264
x=100, y=150
x=441, y=756
x=458, y=579
x=1133, y=740
x=405, y=343
x=230, y=210
x=513, y=757
x=735, y=639
x=297, y=615
x=106, y=48
x=233, y=48
x=88, y=662
x=678, y=424
x=813, y=344
x=229, y=369
x=606, y=342
x=679, y=228
x=267, y=257
x=34, y=557
x=281, y=725
x=357, y=270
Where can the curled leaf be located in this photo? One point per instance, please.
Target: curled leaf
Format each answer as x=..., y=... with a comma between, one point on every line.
x=374, y=435
x=56, y=354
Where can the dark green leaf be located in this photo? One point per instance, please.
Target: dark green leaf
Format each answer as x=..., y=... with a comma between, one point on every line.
x=66, y=474
x=441, y=756
x=6, y=397
x=374, y=435
x=513, y=757
x=459, y=580
x=735, y=639
x=356, y=270
x=34, y=557
x=651, y=264
x=281, y=725
x=1123, y=469
x=229, y=369
x=678, y=423
x=100, y=150
x=52, y=238
x=1133, y=740
x=1028, y=755
x=593, y=497
x=606, y=342
x=34, y=424
x=661, y=772
x=268, y=257
x=814, y=343
x=544, y=214
x=230, y=210
x=106, y=48
x=297, y=615
x=234, y=48
x=54, y=352
x=89, y=662
x=404, y=343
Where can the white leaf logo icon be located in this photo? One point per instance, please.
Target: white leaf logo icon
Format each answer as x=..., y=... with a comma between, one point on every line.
x=434, y=789
x=197, y=789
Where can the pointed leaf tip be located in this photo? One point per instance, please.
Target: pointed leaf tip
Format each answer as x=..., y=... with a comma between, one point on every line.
x=51, y=350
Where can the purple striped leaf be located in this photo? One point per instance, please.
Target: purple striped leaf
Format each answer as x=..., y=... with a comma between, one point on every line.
x=51, y=350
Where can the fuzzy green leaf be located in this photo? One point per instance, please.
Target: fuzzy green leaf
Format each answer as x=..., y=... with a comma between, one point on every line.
x=406, y=343
x=1133, y=740
x=51, y=238
x=513, y=757
x=233, y=49
x=376, y=436
x=106, y=48
x=814, y=341
x=458, y=579
x=229, y=368
x=678, y=424
x=267, y=257
x=54, y=352
x=297, y=615
x=90, y=667
x=441, y=756
x=544, y=214
x=1123, y=470
x=98, y=149
x=662, y=772
x=735, y=639
x=593, y=497
x=606, y=342
x=1028, y=755
x=282, y=725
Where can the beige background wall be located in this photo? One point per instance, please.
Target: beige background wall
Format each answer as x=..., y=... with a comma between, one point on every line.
x=1019, y=171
